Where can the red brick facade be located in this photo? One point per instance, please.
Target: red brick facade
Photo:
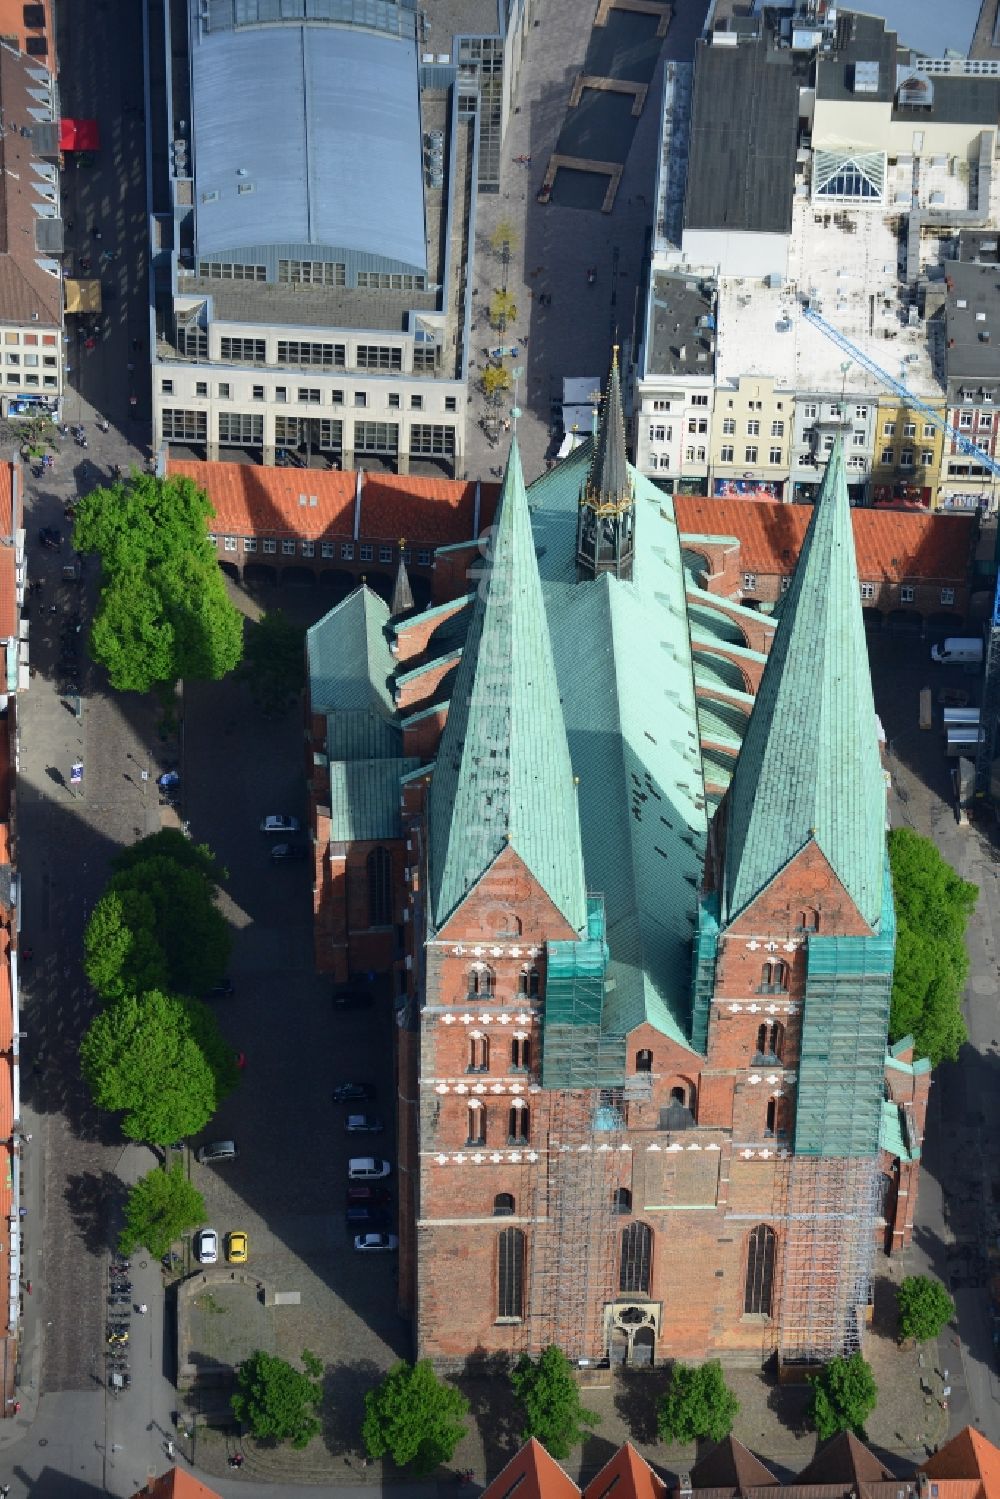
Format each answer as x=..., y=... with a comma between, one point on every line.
x=701, y=1160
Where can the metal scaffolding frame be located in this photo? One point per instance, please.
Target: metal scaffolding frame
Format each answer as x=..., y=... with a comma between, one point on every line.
x=827, y=1208
x=574, y=1246
x=574, y=1251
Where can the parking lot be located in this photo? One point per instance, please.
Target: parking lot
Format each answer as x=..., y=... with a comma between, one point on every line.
x=286, y=1188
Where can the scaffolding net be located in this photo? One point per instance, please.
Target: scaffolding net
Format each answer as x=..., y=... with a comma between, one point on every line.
x=845, y=1024
x=829, y=1208
x=574, y=1252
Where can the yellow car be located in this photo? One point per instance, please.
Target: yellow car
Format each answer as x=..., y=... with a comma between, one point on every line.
x=237, y=1247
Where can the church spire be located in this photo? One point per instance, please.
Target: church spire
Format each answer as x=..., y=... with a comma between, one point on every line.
x=605, y=527
x=503, y=776
x=809, y=770
x=402, y=594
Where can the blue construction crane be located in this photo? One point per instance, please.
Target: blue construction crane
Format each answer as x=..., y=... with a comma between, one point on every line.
x=991, y=686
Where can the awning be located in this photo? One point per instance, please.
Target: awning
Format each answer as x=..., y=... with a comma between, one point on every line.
x=79, y=135
x=82, y=296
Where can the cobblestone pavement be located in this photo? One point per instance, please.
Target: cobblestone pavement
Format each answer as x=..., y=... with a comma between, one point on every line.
x=553, y=247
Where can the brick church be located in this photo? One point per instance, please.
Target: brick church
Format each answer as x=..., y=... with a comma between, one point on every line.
x=626, y=840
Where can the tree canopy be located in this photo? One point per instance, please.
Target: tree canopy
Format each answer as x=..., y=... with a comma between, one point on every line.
x=550, y=1399
x=157, y=925
x=924, y=1307
x=164, y=613
x=162, y=1060
x=275, y=662
x=933, y=905
x=160, y=1207
x=277, y=1401
x=415, y=1417
x=698, y=1403
x=844, y=1396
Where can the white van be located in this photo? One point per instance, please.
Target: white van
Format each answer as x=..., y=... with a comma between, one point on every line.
x=958, y=650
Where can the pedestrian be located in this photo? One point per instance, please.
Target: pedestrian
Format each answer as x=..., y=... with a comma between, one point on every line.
x=28, y=1287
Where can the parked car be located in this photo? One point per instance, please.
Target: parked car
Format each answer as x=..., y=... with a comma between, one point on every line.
x=288, y=851
x=364, y=1124
x=224, y=989
x=279, y=822
x=362, y=1194
x=237, y=1247
x=349, y=1092
x=374, y=1243
x=368, y=1219
x=354, y=998
x=218, y=1150
x=367, y=1168
x=206, y=1247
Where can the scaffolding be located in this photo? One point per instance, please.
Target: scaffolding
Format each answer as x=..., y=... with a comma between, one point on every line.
x=829, y=1209
x=574, y=1249
x=844, y=1028
x=574, y=1244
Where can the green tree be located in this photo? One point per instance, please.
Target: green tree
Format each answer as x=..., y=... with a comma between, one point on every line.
x=494, y=379
x=157, y=925
x=164, y=613
x=503, y=309
x=275, y=662
x=170, y=843
x=162, y=1060
x=160, y=1207
x=504, y=240
x=697, y=1403
x=414, y=1417
x=933, y=906
x=844, y=1396
x=277, y=1401
x=550, y=1400
x=924, y=1307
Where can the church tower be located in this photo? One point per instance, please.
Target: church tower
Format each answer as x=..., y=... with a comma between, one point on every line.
x=605, y=532
x=805, y=942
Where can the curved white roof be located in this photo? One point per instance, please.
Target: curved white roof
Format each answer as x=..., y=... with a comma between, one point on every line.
x=320, y=128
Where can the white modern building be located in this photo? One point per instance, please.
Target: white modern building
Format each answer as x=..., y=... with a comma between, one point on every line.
x=311, y=258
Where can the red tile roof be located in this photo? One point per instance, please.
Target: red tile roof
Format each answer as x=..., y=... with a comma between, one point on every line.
x=629, y=1475
x=436, y=511
x=8, y=593
x=967, y=1455
x=534, y=1474
x=892, y=545
x=177, y=1484
x=253, y=501
x=263, y=501
x=7, y=500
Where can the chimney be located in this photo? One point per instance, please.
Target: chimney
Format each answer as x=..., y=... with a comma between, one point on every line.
x=683, y=1489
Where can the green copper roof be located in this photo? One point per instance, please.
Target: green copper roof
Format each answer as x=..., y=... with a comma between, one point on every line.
x=348, y=658
x=365, y=799
x=503, y=771
x=810, y=766
x=632, y=725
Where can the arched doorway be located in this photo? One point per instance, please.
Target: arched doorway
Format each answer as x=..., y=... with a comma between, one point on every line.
x=632, y=1329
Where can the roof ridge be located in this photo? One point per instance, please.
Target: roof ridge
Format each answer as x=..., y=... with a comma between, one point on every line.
x=810, y=768
x=504, y=774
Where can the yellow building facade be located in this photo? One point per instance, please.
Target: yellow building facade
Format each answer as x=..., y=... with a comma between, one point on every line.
x=751, y=439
